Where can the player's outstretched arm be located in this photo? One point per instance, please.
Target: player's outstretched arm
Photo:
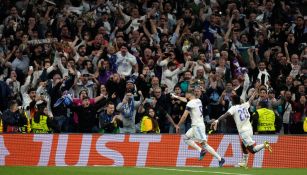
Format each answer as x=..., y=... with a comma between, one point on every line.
x=215, y=122
x=182, y=119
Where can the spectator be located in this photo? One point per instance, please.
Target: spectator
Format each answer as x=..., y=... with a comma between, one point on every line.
x=149, y=123
x=13, y=119
x=108, y=120
x=128, y=108
x=265, y=121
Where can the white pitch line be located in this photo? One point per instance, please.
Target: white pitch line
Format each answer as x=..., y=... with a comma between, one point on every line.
x=192, y=171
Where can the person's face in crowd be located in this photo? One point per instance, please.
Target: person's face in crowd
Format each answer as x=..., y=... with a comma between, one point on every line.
x=228, y=87
x=269, y=6
x=85, y=102
x=303, y=99
x=291, y=38
x=172, y=67
x=63, y=60
x=197, y=92
x=202, y=57
x=155, y=81
x=157, y=93
x=177, y=90
x=222, y=62
x=288, y=95
x=102, y=30
x=200, y=73
x=279, y=56
x=56, y=77
x=14, y=107
x=13, y=75
x=168, y=7
x=145, y=70
x=14, y=12
x=305, y=83
x=147, y=53
x=188, y=96
x=261, y=39
x=187, y=76
x=3, y=42
x=263, y=93
x=294, y=59
x=301, y=89
x=79, y=23
x=271, y=95
x=299, y=22
x=120, y=23
x=32, y=95
x=123, y=50
x=129, y=96
x=163, y=20
x=64, y=31
x=289, y=80
x=103, y=89
x=213, y=19
x=135, y=13
x=45, y=111
x=151, y=113
x=262, y=66
x=18, y=54
x=144, y=40
x=129, y=86
x=224, y=55
x=106, y=64
x=151, y=63
x=83, y=94
x=38, y=50
x=84, y=78
x=82, y=51
x=244, y=39
x=235, y=83
x=135, y=34
x=116, y=78
x=120, y=40
x=86, y=36
x=110, y=109
x=111, y=50
x=31, y=21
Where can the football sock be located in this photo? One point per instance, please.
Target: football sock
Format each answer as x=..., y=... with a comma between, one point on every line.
x=212, y=151
x=192, y=144
x=258, y=147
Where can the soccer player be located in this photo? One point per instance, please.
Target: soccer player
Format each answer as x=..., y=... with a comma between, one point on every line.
x=197, y=133
x=241, y=116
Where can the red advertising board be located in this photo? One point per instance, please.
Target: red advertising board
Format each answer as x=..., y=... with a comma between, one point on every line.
x=143, y=150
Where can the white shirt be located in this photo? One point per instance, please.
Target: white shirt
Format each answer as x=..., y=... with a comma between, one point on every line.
x=125, y=63
x=241, y=116
x=195, y=107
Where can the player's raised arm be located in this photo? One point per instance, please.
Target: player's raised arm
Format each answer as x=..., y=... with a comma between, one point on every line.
x=214, y=123
x=252, y=97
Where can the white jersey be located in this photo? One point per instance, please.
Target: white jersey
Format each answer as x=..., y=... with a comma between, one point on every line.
x=195, y=107
x=241, y=116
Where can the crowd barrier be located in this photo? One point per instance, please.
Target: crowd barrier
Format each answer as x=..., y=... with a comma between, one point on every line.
x=143, y=150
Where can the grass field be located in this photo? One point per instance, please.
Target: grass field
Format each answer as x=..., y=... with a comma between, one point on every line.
x=145, y=171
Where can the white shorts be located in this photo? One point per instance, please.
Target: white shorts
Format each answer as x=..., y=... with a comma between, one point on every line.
x=246, y=137
x=197, y=133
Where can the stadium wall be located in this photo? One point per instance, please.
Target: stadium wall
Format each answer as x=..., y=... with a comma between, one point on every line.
x=142, y=150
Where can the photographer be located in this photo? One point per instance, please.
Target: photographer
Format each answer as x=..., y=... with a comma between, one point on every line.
x=13, y=118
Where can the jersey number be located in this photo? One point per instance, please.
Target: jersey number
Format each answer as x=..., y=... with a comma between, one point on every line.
x=201, y=110
x=243, y=113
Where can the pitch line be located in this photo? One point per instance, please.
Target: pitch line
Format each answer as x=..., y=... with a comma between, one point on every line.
x=192, y=171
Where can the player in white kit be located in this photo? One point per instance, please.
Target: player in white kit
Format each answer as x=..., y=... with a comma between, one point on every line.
x=241, y=117
x=197, y=133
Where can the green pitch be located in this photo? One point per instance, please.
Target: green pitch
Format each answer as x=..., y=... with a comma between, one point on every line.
x=145, y=171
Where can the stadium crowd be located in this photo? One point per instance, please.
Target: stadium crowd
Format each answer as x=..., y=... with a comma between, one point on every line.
x=124, y=66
